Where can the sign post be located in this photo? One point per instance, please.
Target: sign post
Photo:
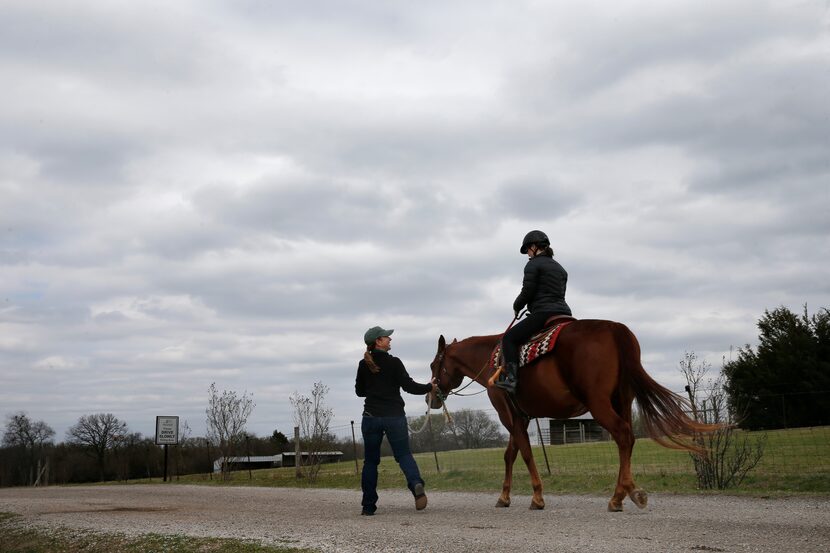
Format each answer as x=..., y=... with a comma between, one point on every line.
x=167, y=433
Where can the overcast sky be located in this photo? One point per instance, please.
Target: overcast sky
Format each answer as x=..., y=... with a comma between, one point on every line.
x=233, y=192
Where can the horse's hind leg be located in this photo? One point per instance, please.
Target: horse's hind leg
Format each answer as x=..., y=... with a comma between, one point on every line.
x=623, y=435
x=509, y=458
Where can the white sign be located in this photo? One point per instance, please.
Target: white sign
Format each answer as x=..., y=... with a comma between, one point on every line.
x=167, y=430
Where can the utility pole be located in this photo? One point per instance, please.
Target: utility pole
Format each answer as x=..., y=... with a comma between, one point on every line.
x=354, y=446
x=297, y=456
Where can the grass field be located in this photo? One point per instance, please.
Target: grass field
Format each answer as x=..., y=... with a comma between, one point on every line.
x=795, y=461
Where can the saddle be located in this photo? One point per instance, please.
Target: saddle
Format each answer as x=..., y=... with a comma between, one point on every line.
x=556, y=319
x=540, y=344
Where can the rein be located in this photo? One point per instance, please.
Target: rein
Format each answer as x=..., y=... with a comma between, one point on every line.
x=443, y=397
x=458, y=391
x=426, y=422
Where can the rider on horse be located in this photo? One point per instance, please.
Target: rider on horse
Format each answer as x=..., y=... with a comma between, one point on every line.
x=543, y=292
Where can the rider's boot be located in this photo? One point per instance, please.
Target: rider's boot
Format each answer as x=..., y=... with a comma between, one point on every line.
x=510, y=380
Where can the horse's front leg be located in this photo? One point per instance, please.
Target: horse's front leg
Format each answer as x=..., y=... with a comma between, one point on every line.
x=509, y=458
x=522, y=440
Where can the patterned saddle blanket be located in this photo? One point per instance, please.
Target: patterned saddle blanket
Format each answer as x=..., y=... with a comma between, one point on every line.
x=536, y=347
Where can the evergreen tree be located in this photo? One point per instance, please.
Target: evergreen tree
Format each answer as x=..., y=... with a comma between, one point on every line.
x=786, y=381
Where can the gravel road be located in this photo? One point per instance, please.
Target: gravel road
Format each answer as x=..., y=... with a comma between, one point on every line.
x=329, y=520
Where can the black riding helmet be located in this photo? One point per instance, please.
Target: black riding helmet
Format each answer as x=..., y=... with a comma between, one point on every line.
x=535, y=237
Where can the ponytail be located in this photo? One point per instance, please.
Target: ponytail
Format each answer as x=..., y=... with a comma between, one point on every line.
x=370, y=361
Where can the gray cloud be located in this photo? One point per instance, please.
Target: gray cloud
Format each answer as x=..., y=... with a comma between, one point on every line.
x=233, y=193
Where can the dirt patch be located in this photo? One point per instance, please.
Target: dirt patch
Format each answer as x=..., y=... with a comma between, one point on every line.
x=114, y=510
x=330, y=521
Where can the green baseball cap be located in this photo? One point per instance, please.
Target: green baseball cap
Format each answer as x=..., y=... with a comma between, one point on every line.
x=374, y=333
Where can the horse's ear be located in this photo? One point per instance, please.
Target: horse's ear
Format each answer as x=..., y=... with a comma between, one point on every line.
x=441, y=343
x=455, y=340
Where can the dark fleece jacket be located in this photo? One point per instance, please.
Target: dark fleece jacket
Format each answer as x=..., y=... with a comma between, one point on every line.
x=543, y=287
x=382, y=390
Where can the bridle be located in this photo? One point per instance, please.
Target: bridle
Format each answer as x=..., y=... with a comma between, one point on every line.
x=443, y=369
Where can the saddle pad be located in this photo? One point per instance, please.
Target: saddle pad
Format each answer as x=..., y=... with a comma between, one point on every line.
x=536, y=347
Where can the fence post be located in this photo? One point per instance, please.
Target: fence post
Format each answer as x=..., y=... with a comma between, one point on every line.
x=248, y=451
x=165, y=463
x=210, y=459
x=432, y=442
x=297, y=457
x=354, y=446
x=542, y=443
x=692, y=401
x=700, y=466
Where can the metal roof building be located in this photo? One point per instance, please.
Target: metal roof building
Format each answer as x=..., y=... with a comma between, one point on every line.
x=287, y=459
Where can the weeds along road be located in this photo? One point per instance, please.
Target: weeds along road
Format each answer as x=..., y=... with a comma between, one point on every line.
x=329, y=520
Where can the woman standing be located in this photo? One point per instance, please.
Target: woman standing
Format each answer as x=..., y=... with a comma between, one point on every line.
x=380, y=378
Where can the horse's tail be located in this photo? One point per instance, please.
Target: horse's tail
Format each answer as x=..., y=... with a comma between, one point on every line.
x=662, y=410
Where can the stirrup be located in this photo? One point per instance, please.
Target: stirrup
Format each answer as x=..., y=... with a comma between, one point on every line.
x=508, y=384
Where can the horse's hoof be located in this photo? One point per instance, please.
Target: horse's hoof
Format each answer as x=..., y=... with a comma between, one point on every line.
x=534, y=506
x=614, y=507
x=639, y=497
x=502, y=503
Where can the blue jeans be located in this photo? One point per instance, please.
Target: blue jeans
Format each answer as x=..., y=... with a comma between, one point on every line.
x=397, y=433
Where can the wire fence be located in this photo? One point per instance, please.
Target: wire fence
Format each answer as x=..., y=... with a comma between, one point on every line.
x=476, y=440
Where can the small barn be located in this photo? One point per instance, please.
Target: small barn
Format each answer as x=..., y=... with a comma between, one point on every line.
x=245, y=462
x=287, y=459
x=576, y=431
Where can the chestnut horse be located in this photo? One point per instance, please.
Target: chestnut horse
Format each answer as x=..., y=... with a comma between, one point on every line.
x=595, y=366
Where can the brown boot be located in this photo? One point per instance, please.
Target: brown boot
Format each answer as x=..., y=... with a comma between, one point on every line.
x=420, y=498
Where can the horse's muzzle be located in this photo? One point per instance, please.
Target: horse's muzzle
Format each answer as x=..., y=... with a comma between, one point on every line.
x=434, y=401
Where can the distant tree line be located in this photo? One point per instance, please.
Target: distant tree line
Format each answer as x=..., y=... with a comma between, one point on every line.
x=101, y=447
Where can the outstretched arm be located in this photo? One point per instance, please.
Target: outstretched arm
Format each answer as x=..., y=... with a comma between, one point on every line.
x=410, y=386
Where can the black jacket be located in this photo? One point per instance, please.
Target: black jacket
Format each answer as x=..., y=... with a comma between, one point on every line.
x=543, y=287
x=382, y=390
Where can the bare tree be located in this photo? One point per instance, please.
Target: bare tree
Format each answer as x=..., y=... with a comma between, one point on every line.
x=30, y=436
x=729, y=454
x=435, y=433
x=98, y=434
x=227, y=415
x=313, y=418
x=474, y=429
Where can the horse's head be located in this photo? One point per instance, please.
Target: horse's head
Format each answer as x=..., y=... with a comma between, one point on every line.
x=444, y=373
